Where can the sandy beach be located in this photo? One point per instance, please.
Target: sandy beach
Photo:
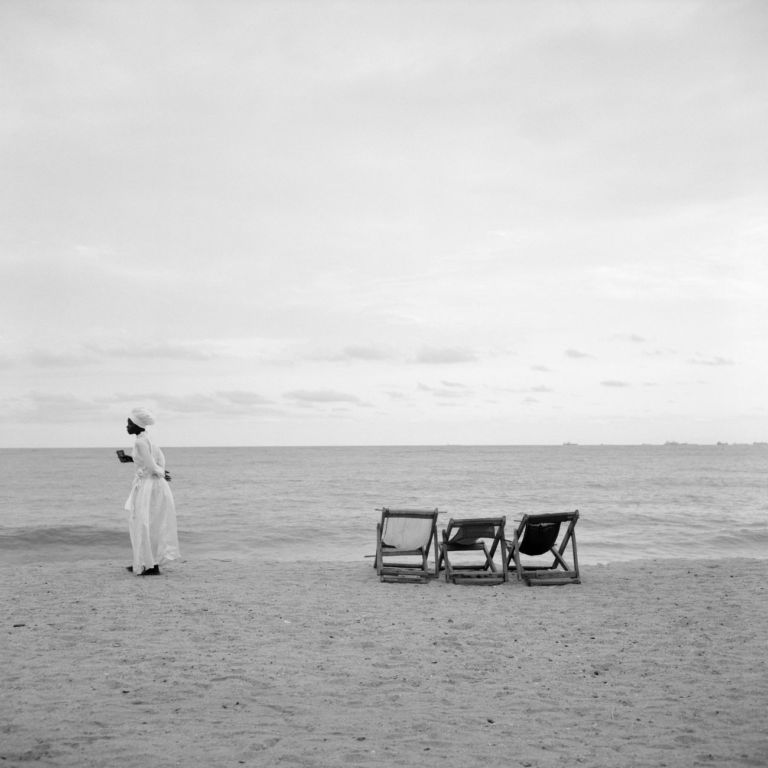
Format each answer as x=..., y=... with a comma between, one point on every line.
x=227, y=663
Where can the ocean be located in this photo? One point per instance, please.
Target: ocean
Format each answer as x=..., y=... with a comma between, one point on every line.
x=319, y=504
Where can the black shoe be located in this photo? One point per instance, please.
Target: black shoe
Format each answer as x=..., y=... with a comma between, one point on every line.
x=154, y=571
x=129, y=568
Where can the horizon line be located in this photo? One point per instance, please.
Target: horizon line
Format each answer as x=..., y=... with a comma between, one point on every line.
x=665, y=444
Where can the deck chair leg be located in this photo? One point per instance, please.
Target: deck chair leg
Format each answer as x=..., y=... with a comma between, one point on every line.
x=515, y=555
x=575, y=556
x=559, y=560
x=488, y=561
x=570, y=536
x=514, y=558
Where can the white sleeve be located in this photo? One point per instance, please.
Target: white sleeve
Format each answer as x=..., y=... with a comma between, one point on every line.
x=147, y=460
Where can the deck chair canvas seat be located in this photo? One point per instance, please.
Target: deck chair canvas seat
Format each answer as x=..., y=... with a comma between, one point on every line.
x=545, y=537
x=469, y=535
x=404, y=539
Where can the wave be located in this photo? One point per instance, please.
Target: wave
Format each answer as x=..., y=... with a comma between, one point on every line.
x=30, y=537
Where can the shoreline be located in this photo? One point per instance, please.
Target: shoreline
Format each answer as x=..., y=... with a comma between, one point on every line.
x=227, y=662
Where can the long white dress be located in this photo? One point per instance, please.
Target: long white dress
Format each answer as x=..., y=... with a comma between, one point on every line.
x=152, y=521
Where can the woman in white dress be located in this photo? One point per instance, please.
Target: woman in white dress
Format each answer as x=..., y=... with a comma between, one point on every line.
x=152, y=521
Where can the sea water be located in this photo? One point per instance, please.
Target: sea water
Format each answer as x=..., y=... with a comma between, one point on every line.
x=315, y=503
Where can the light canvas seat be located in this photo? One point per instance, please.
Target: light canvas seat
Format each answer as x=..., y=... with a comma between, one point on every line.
x=462, y=539
x=404, y=538
x=544, y=537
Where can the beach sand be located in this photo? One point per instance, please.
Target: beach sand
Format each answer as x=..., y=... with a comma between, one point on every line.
x=227, y=663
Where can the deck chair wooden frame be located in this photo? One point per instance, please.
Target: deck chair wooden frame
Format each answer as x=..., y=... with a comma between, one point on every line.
x=389, y=562
x=537, y=536
x=469, y=535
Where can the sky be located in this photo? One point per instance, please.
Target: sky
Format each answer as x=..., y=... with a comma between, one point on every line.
x=389, y=222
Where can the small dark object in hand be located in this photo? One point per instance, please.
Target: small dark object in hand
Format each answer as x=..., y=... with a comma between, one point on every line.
x=123, y=458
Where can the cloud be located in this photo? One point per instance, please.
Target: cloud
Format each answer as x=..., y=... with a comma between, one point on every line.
x=536, y=389
x=364, y=352
x=714, y=362
x=321, y=396
x=445, y=355
x=42, y=358
x=541, y=368
x=449, y=391
x=577, y=354
x=659, y=352
x=615, y=383
x=241, y=397
x=51, y=408
x=633, y=337
x=168, y=350
x=233, y=402
x=191, y=350
x=185, y=404
x=91, y=354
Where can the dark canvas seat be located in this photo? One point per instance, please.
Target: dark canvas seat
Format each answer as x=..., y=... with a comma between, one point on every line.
x=546, y=538
x=469, y=535
x=404, y=538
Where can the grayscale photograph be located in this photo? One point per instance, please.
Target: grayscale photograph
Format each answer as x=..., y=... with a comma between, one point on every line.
x=382, y=383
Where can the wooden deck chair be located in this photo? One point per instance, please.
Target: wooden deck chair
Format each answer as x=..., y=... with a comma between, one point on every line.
x=541, y=535
x=474, y=535
x=402, y=534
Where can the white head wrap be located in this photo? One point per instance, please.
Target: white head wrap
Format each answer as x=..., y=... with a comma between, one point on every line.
x=141, y=417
